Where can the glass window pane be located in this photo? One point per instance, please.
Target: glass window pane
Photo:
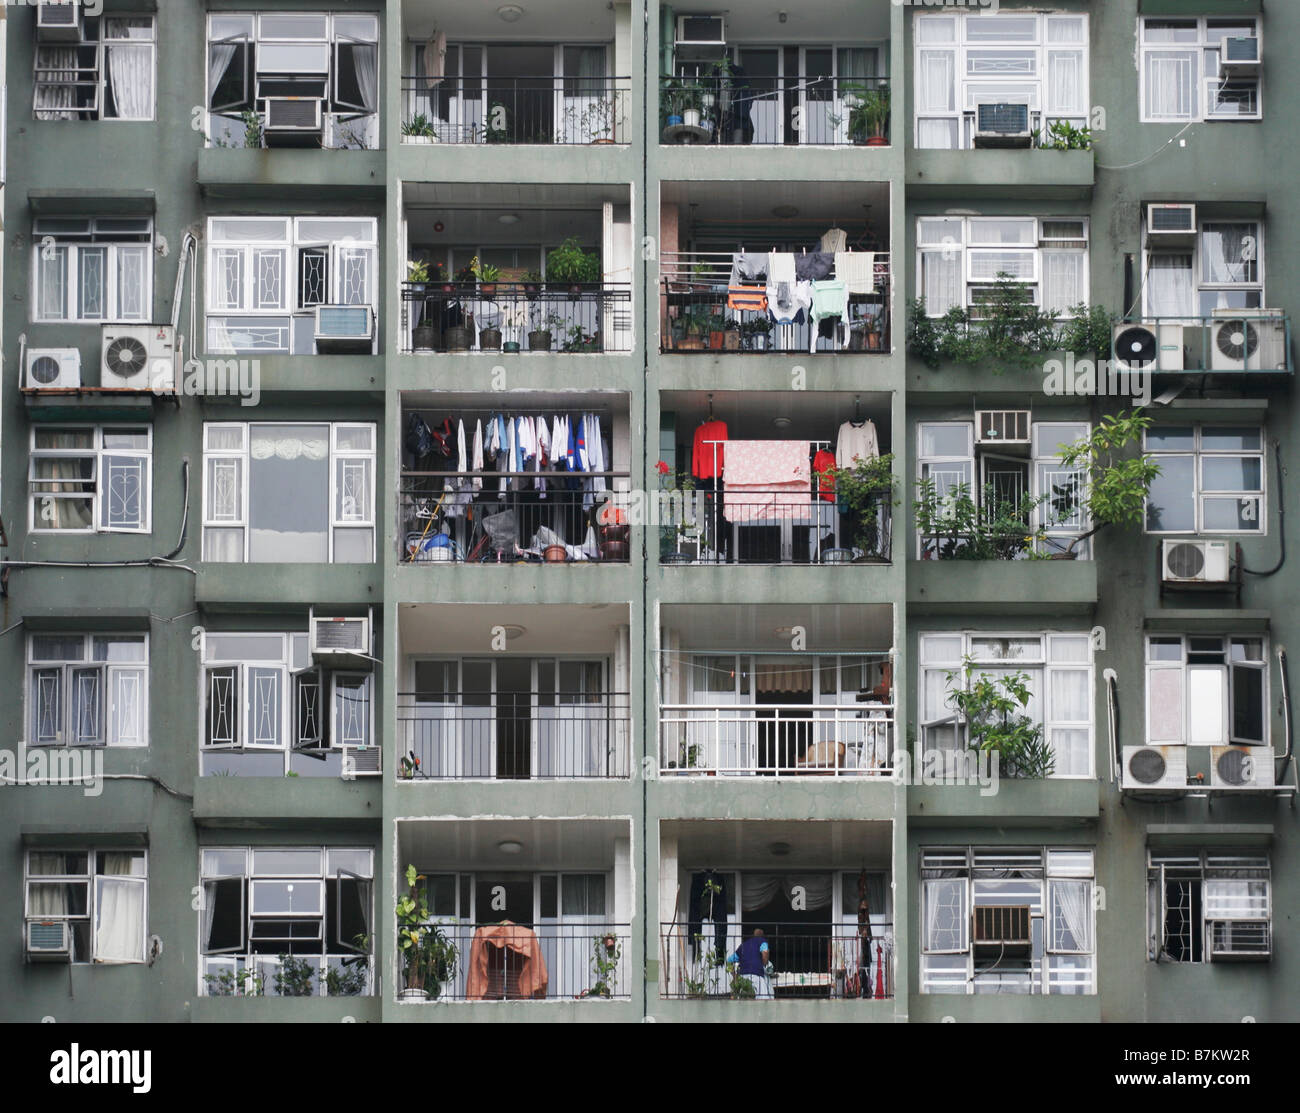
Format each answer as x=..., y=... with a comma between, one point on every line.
x=945, y=440
x=288, y=512
x=1171, y=502
x=1230, y=514
x=1231, y=473
x=1231, y=439
x=284, y=863
x=224, y=863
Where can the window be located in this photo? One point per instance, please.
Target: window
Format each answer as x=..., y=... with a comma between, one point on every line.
x=329, y=57
x=1211, y=479
x=88, y=689
x=267, y=710
x=1183, y=76
x=108, y=75
x=1059, y=667
x=1207, y=907
x=101, y=894
x=1042, y=904
x=292, y=493
x=1207, y=690
x=960, y=260
x=1005, y=474
x=967, y=59
x=266, y=275
x=92, y=269
x=1223, y=270
x=90, y=479
x=312, y=903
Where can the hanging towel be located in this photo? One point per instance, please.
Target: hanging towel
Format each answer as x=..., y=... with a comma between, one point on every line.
x=857, y=270
x=747, y=299
x=811, y=266
x=476, y=461
x=780, y=267
x=767, y=481
x=834, y=239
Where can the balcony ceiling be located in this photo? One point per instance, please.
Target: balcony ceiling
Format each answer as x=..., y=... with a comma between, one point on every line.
x=848, y=627
x=813, y=415
x=747, y=844
x=818, y=205
x=468, y=844
x=541, y=21
x=443, y=402
x=452, y=629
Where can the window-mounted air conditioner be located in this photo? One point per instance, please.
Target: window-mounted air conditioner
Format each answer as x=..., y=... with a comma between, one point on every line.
x=1240, y=57
x=340, y=639
x=48, y=941
x=52, y=369
x=1195, y=562
x=344, y=328
x=1171, y=225
x=292, y=122
x=1000, y=925
x=1147, y=767
x=1240, y=940
x=363, y=761
x=1001, y=124
x=701, y=30
x=138, y=357
x=58, y=22
x=1248, y=340
x=1241, y=767
x=1143, y=346
x=1002, y=427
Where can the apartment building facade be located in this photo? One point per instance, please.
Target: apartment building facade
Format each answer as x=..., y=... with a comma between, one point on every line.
x=434, y=285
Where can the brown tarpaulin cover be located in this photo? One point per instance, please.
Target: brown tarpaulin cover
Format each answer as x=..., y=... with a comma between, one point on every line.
x=506, y=936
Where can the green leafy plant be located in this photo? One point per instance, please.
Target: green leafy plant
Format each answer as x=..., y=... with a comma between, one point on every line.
x=486, y=273
x=412, y=930
x=992, y=709
x=868, y=111
x=954, y=526
x=569, y=263
x=252, y=129
x=863, y=489
x=606, y=953
x=419, y=125
x=1061, y=135
x=293, y=977
x=742, y=989
x=579, y=341
x=710, y=960
x=233, y=983
x=350, y=977
x=417, y=271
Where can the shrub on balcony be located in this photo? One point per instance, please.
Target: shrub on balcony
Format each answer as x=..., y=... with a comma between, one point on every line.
x=992, y=709
x=1060, y=135
x=569, y=264
x=954, y=527
x=862, y=490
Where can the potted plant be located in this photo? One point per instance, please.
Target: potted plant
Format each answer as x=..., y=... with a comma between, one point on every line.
x=293, y=977
x=233, y=983
x=606, y=952
x=669, y=100
x=755, y=333
x=417, y=274
x=716, y=327
x=869, y=117
x=532, y=283
x=418, y=129
x=731, y=335
x=862, y=491
x=539, y=339
x=570, y=265
x=486, y=275
x=690, y=102
x=428, y=955
x=351, y=977
x=993, y=711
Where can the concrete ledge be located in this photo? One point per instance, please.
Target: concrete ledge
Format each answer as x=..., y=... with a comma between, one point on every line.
x=281, y=1010
x=273, y=587
x=286, y=803
x=1017, y=803
x=770, y=798
x=553, y=1011
x=323, y=379
x=1001, y=587
x=988, y=1008
x=254, y=174
x=718, y=372
x=849, y=1011
x=579, y=581
x=1028, y=174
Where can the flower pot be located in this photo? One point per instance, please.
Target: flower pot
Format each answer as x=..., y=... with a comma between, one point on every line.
x=511, y=347
x=531, y=290
x=417, y=287
x=539, y=340
x=691, y=344
x=857, y=340
x=691, y=117
x=488, y=289
x=1068, y=555
x=489, y=340
x=674, y=120
x=873, y=341
x=877, y=141
x=575, y=289
x=731, y=340
x=413, y=995
x=457, y=339
x=613, y=550
x=717, y=340
x=424, y=338
x=555, y=554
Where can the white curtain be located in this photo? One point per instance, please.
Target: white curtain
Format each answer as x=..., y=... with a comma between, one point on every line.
x=130, y=67
x=758, y=890
x=936, y=91
x=264, y=447
x=945, y=914
x=1065, y=83
x=1171, y=84
x=367, y=61
x=1169, y=286
x=119, y=911
x=1070, y=695
x=1062, y=280
x=54, y=101
x=52, y=899
x=941, y=282
x=1223, y=250
x=220, y=56
x=1071, y=907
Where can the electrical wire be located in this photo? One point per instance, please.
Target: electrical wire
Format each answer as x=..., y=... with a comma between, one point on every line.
x=1143, y=161
x=1281, y=515
x=48, y=782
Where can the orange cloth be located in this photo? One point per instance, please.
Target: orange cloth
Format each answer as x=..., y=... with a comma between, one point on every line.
x=702, y=458
x=510, y=936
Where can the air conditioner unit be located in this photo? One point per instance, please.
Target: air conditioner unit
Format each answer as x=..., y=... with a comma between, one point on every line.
x=362, y=760
x=52, y=369
x=1145, y=346
x=701, y=30
x=1239, y=56
x=138, y=357
x=60, y=22
x=345, y=328
x=1171, y=225
x=1240, y=940
x=1241, y=767
x=1002, y=427
x=338, y=638
x=1195, y=562
x=1248, y=340
x=999, y=124
x=1000, y=925
x=292, y=122
x=49, y=941
x=1147, y=767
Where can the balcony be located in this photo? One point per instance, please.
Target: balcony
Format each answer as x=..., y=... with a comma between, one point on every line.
x=541, y=110
x=266, y=975
x=1237, y=344
x=514, y=735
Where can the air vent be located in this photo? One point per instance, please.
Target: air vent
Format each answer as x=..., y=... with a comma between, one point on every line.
x=1001, y=925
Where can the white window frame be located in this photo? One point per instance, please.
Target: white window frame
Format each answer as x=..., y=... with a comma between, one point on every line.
x=101, y=44
x=965, y=87
x=110, y=673
x=97, y=496
x=49, y=242
x=1203, y=868
x=338, y=519
x=1203, y=48
x=90, y=878
x=1199, y=454
x=1041, y=669
x=1199, y=286
x=1188, y=673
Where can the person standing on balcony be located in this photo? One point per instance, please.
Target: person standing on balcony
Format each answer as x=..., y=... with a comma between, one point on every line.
x=751, y=961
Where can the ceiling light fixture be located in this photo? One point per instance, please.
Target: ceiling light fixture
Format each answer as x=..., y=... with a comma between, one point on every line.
x=507, y=218
x=510, y=13
x=513, y=632
x=779, y=849
x=785, y=212
x=510, y=846
x=781, y=422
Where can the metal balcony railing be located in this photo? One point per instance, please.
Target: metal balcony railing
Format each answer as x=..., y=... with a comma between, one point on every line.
x=503, y=735
x=516, y=316
x=735, y=110
x=264, y=975
x=509, y=961
x=834, y=962
x=776, y=740
x=703, y=308
x=509, y=517
x=539, y=110
x=1231, y=341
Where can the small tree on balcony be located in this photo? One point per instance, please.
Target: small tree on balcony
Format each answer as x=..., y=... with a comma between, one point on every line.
x=993, y=711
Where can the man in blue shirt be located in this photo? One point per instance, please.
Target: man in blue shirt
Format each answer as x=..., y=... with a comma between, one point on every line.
x=751, y=961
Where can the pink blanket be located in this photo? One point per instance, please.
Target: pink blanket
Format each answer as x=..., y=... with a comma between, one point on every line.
x=767, y=480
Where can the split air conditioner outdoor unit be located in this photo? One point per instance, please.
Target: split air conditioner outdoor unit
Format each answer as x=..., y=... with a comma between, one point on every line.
x=1149, y=767
x=1241, y=767
x=1248, y=340
x=52, y=369
x=138, y=357
x=1144, y=346
x=1195, y=562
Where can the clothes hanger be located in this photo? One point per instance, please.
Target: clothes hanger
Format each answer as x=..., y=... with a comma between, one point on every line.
x=857, y=408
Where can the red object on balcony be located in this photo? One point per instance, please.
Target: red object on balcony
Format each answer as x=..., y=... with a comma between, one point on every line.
x=505, y=961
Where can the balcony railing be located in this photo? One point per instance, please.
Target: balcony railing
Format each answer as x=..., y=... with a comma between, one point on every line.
x=771, y=111
x=708, y=304
x=516, y=317
x=259, y=975
x=773, y=527
x=1231, y=341
x=550, y=110
x=447, y=518
x=515, y=735
x=339, y=131
x=534, y=962
x=834, y=962
x=776, y=740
